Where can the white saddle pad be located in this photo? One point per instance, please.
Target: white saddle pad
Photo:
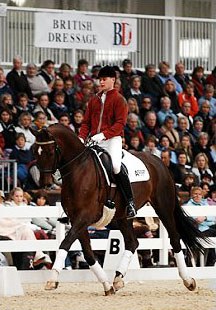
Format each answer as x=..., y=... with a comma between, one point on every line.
x=137, y=170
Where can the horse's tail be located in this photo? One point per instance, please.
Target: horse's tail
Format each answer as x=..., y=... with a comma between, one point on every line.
x=189, y=233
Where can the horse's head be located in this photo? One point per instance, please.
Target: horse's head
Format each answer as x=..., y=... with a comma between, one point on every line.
x=46, y=152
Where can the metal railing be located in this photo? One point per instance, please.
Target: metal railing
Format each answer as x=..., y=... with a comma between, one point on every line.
x=159, y=38
x=8, y=174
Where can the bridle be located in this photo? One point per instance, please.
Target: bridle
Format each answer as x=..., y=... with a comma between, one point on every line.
x=57, y=159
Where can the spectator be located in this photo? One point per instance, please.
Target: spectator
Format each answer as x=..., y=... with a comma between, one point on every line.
x=135, y=143
x=126, y=75
x=209, y=95
x=169, y=130
x=173, y=168
x=212, y=195
x=65, y=71
x=152, y=86
x=164, y=144
x=197, y=127
x=202, y=146
x=48, y=73
x=170, y=91
x=23, y=105
x=150, y=125
x=24, y=123
x=151, y=146
x=182, y=128
x=17, y=80
x=46, y=224
x=22, y=229
x=132, y=106
x=7, y=128
x=166, y=111
x=186, y=112
x=117, y=86
x=182, y=163
x=206, y=188
x=57, y=106
x=211, y=79
x=4, y=87
x=146, y=106
x=188, y=96
x=70, y=92
x=201, y=166
x=165, y=75
x=43, y=106
x=181, y=77
x=40, y=121
x=36, y=82
x=24, y=158
x=204, y=113
x=7, y=103
x=135, y=89
x=57, y=87
x=83, y=96
x=81, y=74
x=77, y=120
x=132, y=129
x=188, y=181
x=95, y=71
x=206, y=224
x=64, y=119
x=185, y=145
x=198, y=81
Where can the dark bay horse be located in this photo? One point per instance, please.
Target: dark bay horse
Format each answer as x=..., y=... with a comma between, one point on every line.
x=84, y=193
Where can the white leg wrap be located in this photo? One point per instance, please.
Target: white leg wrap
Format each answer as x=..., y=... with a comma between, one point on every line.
x=182, y=268
x=99, y=273
x=60, y=260
x=125, y=262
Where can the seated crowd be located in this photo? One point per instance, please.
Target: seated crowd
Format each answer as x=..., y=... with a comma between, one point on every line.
x=170, y=115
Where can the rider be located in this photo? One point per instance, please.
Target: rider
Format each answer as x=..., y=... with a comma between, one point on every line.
x=104, y=120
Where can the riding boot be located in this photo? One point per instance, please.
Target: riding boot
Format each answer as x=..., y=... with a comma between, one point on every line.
x=123, y=182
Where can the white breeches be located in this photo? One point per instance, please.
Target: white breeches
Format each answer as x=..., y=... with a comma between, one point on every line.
x=114, y=147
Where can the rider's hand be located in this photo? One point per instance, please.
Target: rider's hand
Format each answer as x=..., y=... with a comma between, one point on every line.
x=98, y=137
x=82, y=140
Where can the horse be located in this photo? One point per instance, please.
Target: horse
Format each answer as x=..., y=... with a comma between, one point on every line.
x=83, y=195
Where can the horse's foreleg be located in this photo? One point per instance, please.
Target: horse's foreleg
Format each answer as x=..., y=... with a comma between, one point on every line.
x=59, y=263
x=131, y=243
x=95, y=267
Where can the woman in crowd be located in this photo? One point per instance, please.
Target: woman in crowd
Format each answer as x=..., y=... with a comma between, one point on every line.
x=201, y=166
x=43, y=106
x=22, y=229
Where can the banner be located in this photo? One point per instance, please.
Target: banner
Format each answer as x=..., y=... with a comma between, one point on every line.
x=79, y=31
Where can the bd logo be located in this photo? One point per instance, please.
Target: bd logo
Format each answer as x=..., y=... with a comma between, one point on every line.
x=122, y=34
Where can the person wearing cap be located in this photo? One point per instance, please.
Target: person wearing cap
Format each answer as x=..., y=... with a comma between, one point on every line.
x=104, y=122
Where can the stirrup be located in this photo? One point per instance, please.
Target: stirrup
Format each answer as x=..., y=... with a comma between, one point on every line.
x=130, y=209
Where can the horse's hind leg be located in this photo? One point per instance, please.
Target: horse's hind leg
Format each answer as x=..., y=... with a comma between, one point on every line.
x=131, y=244
x=165, y=212
x=93, y=264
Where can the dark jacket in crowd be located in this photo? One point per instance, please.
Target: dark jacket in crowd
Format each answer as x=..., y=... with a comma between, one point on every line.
x=19, y=83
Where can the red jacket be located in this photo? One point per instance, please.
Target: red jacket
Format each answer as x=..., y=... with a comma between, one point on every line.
x=112, y=116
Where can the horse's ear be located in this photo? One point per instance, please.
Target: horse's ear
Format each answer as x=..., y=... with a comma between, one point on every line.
x=34, y=132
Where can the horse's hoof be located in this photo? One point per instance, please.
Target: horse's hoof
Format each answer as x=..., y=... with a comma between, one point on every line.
x=51, y=285
x=110, y=292
x=190, y=284
x=118, y=283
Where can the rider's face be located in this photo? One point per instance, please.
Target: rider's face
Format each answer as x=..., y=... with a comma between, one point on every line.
x=107, y=83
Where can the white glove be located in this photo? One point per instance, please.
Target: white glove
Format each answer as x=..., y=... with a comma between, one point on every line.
x=81, y=139
x=98, y=137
